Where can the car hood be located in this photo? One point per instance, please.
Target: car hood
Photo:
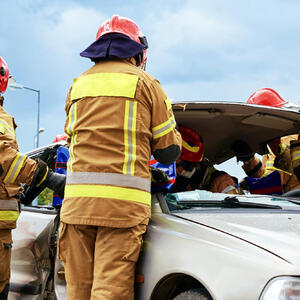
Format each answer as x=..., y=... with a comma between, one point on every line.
x=276, y=233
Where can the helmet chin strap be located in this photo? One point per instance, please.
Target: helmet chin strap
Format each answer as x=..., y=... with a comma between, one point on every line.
x=187, y=174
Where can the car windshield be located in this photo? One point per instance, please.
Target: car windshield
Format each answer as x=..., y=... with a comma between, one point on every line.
x=206, y=199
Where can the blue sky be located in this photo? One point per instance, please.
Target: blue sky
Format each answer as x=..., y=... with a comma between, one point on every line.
x=199, y=50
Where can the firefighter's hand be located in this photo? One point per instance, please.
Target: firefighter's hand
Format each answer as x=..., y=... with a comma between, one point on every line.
x=242, y=151
x=56, y=182
x=45, y=177
x=159, y=177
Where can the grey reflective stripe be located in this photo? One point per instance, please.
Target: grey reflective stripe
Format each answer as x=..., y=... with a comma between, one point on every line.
x=15, y=168
x=109, y=179
x=165, y=129
x=228, y=189
x=9, y=205
x=130, y=137
x=10, y=129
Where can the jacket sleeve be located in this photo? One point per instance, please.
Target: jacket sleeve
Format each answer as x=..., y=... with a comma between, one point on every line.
x=254, y=168
x=15, y=167
x=166, y=140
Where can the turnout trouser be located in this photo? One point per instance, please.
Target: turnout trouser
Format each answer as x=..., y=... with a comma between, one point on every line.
x=5, y=256
x=100, y=261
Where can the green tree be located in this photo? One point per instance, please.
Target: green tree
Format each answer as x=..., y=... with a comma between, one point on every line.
x=45, y=197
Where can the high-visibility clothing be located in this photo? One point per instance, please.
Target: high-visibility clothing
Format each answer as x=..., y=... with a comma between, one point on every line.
x=5, y=257
x=15, y=168
x=117, y=115
x=269, y=163
x=100, y=261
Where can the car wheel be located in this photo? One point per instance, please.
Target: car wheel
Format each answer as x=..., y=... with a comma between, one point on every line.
x=195, y=294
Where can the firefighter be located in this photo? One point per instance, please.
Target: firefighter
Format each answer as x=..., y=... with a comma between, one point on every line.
x=117, y=115
x=280, y=156
x=194, y=171
x=15, y=168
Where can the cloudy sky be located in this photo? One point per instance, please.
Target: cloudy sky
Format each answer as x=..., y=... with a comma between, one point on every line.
x=199, y=50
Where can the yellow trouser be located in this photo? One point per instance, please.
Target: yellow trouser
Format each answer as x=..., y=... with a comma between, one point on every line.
x=100, y=261
x=5, y=256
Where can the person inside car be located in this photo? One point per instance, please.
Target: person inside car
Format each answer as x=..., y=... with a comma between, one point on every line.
x=194, y=171
x=283, y=152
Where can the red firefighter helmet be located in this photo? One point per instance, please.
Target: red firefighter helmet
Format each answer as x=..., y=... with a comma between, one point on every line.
x=267, y=97
x=59, y=137
x=192, y=145
x=4, y=75
x=127, y=27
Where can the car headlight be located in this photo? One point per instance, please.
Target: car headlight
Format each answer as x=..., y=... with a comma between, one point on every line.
x=282, y=288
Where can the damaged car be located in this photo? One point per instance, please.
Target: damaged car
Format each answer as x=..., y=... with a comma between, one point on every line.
x=199, y=244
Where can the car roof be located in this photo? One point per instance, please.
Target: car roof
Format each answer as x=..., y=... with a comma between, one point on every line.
x=222, y=123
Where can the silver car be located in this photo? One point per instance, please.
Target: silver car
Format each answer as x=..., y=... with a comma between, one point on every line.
x=199, y=245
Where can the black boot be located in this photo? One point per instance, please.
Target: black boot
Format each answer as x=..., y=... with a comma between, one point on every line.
x=4, y=293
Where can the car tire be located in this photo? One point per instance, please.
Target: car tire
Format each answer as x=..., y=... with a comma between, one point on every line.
x=195, y=294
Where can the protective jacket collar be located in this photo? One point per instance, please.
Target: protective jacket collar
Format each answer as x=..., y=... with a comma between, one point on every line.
x=112, y=46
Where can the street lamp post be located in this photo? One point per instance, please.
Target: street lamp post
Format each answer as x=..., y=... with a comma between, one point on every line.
x=38, y=114
x=14, y=85
x=35, y=137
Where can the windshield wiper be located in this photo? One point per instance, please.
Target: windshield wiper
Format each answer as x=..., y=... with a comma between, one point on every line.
x=229, y=202
x=293, y=201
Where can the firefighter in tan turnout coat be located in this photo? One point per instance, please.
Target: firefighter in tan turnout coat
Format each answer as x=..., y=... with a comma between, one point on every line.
x=117, y=115
x=283, y=155
x=15, y=168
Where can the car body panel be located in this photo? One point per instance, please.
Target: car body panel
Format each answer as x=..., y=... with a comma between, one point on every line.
x=231, y=252
x=226, y=265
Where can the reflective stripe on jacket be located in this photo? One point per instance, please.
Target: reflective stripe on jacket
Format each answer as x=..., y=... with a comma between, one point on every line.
x=117, y=115
x=15, y=168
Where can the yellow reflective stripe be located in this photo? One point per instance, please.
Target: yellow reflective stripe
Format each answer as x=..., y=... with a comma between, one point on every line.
x=270, y=167
x=10, y=129
x=9, y=215
x=126, y=137
x=44, y=177
x=133, y=138
x=71, y=132
x=164, y=128
x=295, y=155
x=2, y=128
x=282, y=148
x=190, y=148
x=267, y=172
x=105, y=84
x=15, y=168
x=130, y=137
x=276, y=169
x=107, y=191
x=168, y=104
